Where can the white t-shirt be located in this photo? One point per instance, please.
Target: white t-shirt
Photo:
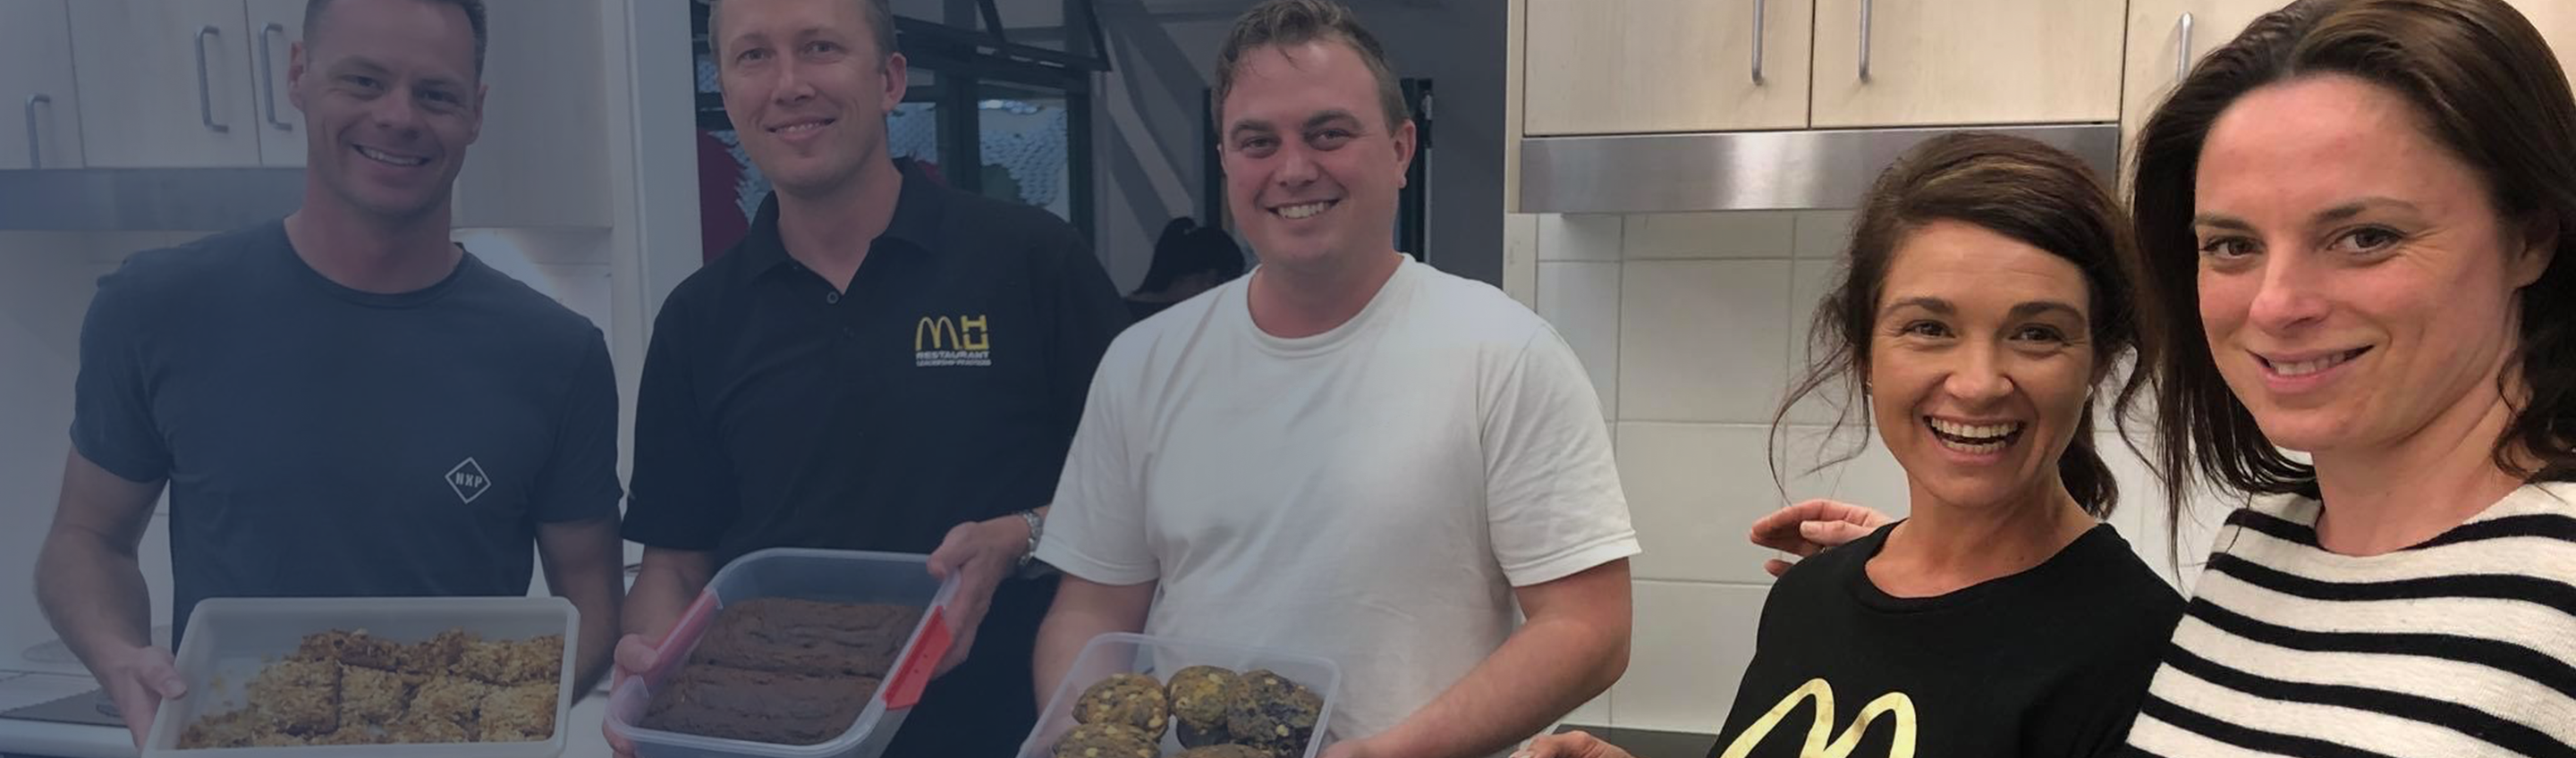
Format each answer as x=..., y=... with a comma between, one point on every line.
x=1368, y=495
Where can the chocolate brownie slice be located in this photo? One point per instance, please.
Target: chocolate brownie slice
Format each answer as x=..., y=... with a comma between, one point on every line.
x=807, y=637
x=760, y=706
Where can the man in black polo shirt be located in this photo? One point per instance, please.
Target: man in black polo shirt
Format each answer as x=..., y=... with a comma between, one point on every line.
x=881, y=364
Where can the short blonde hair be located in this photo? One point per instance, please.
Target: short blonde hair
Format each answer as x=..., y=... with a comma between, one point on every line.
x=1296, y=22
x=879, y=14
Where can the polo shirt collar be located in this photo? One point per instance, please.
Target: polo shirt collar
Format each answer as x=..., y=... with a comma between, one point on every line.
x=917, y=211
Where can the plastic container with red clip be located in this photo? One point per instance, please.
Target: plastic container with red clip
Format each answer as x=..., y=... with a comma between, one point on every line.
x=834, y=576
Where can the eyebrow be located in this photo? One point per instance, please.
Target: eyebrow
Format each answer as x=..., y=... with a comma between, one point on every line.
x=2329, y=215
x=360, y=64
x=2037, y=307
x=1319, y=119
x=2024, y=310
x=1933, y=304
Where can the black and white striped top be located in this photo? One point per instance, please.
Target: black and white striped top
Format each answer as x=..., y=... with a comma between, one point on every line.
x=2462, y=646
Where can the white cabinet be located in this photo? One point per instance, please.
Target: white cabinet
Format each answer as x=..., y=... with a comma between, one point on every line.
x=1631, y=66
x=1961, y=62
x=1649, y=66
x=2165, y=38
x=275, y=26
x=41, y=129
x=168, y=84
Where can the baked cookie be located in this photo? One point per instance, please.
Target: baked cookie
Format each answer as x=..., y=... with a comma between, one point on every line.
x=299, y=697
x=1107, y=741
x=1199, y=695
x=1273, y=713
x=1132, y=699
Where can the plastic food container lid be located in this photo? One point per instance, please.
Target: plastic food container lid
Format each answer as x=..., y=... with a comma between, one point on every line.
x=230, y=640
x=1160, y=657
x=841, y=576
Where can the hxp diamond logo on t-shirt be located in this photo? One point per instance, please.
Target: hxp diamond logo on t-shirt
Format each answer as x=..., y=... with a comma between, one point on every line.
x=468, y=480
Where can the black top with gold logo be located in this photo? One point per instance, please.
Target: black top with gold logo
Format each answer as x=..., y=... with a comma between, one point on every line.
x=943, y=387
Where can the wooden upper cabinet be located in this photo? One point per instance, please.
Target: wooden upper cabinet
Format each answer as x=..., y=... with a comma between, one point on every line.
x=2161, y=34
x=275, y=27
x=41, y=129
x=165, y=84
x=1640, y=66
x=1966, y=62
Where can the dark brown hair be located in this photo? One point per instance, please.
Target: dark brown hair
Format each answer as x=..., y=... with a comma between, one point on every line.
x=1297, y=22
x=2012, y=186
x=2489, y=91
x=313, y=10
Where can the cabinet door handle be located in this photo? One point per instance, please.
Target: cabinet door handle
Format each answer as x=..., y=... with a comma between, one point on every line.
x=205, y=85
x=2182, y=49
x=1757, y=41
x=1864, y=40
x=270, y=73
x=35, y=150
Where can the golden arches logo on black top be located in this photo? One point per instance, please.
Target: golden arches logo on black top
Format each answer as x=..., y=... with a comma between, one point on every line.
x=1821, y=742
x=959, y=341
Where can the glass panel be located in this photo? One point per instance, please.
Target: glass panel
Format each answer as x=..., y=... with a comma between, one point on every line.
x=1025, y=140
x=912, y=131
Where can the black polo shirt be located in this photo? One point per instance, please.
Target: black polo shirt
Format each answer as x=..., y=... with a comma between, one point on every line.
x=943, y=387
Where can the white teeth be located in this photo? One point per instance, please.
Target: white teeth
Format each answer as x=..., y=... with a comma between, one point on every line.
x=804, y=127
x=1975, y=432
x=2304, y=368
x=389, y=158
x=1304, y=211
x=1972, y=449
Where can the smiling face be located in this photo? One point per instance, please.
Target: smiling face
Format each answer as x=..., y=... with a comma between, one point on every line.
x=2355, y=280
x=807, y=89
x=1980, y=363
x=1312, y=172
x=390, y=100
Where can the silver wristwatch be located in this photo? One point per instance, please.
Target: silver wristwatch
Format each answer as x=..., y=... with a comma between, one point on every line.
x=1037, y=525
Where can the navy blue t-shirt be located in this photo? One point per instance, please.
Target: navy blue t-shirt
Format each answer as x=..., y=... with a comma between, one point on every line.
x=320, y=441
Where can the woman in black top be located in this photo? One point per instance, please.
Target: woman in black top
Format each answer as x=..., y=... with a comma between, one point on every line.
x=1981, y=307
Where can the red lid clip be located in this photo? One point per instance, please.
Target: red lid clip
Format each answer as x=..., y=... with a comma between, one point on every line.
x=904, y=690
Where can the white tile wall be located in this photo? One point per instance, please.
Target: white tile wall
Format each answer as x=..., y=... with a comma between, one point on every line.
x=1693, y=325
x=1735, y=234
x=1691, y=644
x=1578, y=237
x=1702, y=340
x=1582, y=300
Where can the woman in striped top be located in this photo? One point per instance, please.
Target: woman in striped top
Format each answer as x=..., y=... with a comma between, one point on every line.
x=2357, y=220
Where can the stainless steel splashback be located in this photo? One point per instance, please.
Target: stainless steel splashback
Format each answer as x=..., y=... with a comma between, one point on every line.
x=1727, y=171
x=93, y=200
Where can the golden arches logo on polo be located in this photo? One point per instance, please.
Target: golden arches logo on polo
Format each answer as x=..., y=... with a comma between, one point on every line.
x=969, y=333
x=940, y=331
x=1821, y=742
x=959, y=341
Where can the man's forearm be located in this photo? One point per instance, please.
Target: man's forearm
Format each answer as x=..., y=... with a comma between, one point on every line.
x=598, y=601
x=1546, y=669
x=660, y=595
x=93, y=593
x=1083, y=610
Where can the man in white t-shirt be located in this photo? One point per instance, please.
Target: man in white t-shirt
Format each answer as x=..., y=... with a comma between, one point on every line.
x=1347, y=454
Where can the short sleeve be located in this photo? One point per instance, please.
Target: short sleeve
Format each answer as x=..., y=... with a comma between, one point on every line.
x=1096, y=527
x=682, y=495
x=1553, y=502
x=580, y=478
x=112, y=421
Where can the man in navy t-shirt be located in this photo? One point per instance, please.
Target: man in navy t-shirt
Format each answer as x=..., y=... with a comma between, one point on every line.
x=343, y=402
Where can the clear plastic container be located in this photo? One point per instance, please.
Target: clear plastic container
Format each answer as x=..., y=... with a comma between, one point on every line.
x=1159, y=657
x=837, y=576
x=230, y=640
